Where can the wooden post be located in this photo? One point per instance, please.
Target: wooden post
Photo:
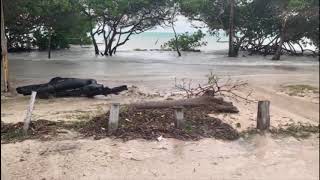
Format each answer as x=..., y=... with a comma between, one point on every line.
x=114, y=117
x=27, y=119
x=263, y=116
x=180, y=122
x=4, y=53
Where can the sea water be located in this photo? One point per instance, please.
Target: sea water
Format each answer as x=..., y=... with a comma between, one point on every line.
x=154, y=40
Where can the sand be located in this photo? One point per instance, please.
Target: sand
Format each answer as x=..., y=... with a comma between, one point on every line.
x=260, y=158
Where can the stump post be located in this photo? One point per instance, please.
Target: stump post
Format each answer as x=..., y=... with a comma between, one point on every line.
x=114, y=117
x=27, y=119
x=263, y=115
x=180, y=122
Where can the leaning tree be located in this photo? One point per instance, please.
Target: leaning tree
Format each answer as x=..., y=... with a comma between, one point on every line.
x=261, y=27
x=118, y=20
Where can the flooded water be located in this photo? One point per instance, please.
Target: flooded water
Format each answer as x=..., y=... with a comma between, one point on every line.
x=148, y=65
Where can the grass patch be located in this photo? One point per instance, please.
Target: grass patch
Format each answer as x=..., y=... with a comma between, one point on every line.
x=297, y=130
x=14, y=135
x=300, y=89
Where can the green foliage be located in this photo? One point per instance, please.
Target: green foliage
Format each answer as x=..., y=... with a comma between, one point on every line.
x=28, y=23
x=258, y=21
x=186, y=41
x=58, y=41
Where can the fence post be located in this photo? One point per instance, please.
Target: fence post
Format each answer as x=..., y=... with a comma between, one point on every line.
x=263, y=116
x=180, y=122
x=27, y=119
x=114, y=117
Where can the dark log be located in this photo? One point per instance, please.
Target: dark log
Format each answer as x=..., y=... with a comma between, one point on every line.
x=218, y=104
x=70, y=87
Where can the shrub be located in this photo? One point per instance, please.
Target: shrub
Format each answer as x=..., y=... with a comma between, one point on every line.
x=186, y=41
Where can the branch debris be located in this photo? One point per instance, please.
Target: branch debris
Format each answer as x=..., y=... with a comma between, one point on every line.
x=215, y=87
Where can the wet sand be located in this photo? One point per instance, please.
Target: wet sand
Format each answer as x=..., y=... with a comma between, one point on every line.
x=73, y=158
x=260, y=157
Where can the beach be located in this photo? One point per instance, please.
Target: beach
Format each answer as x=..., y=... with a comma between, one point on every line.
x=154, y=74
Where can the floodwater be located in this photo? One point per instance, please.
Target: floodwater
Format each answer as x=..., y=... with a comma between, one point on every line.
x=148, y=65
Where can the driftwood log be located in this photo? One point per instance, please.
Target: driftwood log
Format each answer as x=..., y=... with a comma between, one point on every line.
x=70, y=87
x=218, y=103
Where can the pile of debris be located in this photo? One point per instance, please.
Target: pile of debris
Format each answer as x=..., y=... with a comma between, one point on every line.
x=154, y=119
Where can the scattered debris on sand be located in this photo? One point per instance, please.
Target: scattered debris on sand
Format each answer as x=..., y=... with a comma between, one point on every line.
x=153, y=123
x=137, y=121
x=151, y=120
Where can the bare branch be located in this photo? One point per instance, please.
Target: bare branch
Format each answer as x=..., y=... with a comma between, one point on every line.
x=214, y=87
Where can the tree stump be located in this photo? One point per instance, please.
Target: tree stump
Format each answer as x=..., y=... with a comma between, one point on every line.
x=263, y=116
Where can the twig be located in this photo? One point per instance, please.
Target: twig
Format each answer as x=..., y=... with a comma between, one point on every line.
x=214, y=87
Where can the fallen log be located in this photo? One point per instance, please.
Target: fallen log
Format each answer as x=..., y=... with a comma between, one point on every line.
x=217, y=103
x=70, y=87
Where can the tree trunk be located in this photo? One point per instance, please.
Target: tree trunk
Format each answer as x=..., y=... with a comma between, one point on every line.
x=96, y=48
x=108, y=48
x=4, y=53
x=49, y=44
x=231, y=31
x=105, y=43
x=277, y=54
x=176, y=38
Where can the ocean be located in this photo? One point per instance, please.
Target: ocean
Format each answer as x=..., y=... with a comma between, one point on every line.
x=154, y=40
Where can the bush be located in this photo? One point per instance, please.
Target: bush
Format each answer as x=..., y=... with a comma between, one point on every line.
x=186, y=42
x=58, y=41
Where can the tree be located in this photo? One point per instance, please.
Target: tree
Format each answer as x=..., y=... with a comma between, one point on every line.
x=174, y=12
x=118, y=20
x=217, y=15
x=186, y=42
x=290, y=10
x=260, y=26
x=93, y=10
x=30, y=21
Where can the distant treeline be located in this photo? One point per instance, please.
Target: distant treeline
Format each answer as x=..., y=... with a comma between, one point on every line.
x=257, y=26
